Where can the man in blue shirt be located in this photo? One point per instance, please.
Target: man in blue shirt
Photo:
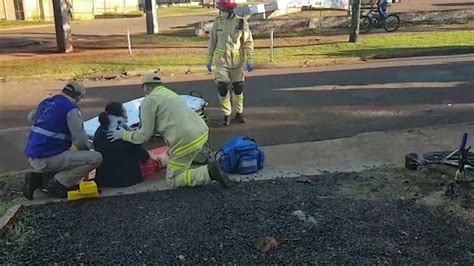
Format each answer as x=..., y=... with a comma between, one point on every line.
x=57, y=126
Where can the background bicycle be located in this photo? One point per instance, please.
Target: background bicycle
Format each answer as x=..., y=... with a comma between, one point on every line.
x=377, y=20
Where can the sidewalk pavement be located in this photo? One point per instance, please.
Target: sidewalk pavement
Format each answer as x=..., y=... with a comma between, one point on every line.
x=368, y=150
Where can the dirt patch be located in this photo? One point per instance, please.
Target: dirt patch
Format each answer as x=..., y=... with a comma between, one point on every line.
x=426, y=186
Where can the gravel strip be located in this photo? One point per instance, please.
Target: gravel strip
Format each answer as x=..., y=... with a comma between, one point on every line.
x=208, y=225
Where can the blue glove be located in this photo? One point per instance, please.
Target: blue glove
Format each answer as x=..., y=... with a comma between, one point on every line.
x=249, y=67
x=116, y=134
x=209, y=67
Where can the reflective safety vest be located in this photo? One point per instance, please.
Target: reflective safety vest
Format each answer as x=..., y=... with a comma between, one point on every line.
x=49, y=135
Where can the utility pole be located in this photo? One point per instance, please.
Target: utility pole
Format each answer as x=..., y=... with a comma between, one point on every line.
x=355, y=22
x=5, y=9
x=63, y=28
x=151, y=17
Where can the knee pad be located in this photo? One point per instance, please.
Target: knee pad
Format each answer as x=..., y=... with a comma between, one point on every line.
x=238, y=87
x=222, y=87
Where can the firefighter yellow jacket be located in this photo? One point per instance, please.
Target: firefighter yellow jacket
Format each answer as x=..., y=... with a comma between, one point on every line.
x=164, y=112
x=231, y=43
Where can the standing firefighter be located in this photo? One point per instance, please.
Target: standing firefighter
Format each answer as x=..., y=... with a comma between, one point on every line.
x=164, y=112
x=230, y=48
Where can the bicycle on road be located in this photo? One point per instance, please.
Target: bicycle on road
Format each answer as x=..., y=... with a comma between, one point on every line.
x=372, y=20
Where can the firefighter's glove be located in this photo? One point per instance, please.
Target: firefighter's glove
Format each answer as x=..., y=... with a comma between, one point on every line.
x=116, y=134
x=249, y=67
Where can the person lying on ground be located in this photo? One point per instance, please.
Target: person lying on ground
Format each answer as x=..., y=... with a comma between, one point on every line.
x=56, y=126
x=185, y=132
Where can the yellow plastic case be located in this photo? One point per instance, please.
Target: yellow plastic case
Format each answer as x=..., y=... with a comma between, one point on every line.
x=87, y=190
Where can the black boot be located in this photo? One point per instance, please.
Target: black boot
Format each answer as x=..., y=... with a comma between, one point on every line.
x=33, y=181
x=218, y=175
x=239, y=117
x=56, y=189
x=226, y=121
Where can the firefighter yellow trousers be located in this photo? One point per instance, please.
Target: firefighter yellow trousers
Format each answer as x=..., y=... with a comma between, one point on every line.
x=227, y=105
x=179, y=172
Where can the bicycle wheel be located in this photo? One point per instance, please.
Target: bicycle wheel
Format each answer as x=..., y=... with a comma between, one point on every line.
x=365, y=24
x=436, y=156
x=411, y=161
x=392, y=23
x=414, y=160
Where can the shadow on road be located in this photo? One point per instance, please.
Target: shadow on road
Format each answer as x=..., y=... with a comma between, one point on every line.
x=392, y=87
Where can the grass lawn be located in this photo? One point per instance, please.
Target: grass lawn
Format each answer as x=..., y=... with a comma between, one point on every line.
x=4, y=24
x=387, y=44
x=183, y=58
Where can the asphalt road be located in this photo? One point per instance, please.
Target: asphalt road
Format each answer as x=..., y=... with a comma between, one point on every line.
x=288, y=106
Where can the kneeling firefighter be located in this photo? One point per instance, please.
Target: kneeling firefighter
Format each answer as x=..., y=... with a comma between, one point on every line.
x=163, y=112
x=230, y=47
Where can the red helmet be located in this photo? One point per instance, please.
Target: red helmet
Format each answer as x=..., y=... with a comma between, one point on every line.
x=226, y=5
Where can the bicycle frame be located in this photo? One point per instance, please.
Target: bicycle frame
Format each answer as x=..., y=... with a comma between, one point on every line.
x=463, y=160
x=374, y=16
x=462, y=163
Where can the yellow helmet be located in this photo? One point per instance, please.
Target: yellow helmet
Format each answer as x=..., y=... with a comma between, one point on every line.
x=74, y=89
x=152, y=78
